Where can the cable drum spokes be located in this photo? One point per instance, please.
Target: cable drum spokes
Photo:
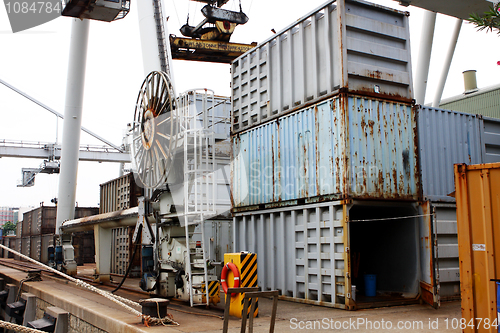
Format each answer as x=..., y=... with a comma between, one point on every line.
x=155, y=130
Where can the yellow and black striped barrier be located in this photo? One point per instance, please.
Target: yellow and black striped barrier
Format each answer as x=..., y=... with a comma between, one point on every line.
x=213, y=292
x=246, y=263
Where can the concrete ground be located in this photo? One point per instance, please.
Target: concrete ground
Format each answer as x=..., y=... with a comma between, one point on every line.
x=106, y=315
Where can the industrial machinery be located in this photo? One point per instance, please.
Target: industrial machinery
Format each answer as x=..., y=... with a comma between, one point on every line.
x=179, y=149
x=209, y=39
x=180, y=153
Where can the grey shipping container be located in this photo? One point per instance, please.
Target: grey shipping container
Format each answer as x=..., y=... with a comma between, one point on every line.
x=345, y=147
x=447, y=137
x=315, y=253
x=490, y=140
x=118, y=194
x=345, y=45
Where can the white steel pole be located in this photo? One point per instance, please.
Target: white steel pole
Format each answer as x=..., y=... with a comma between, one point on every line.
x=447, y=63
x=424, y=56
x=72, y=121
x=149, y=41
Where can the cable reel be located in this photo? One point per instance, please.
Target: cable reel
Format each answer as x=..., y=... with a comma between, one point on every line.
x=155, y=130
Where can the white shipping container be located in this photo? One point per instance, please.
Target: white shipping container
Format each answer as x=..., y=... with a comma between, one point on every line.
x=345, y=45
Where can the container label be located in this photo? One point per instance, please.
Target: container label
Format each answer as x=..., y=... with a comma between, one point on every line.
x=478, y=247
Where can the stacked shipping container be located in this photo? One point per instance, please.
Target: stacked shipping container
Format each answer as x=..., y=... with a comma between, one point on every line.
x=323, y=129
x=36, y=232
x=327, y=148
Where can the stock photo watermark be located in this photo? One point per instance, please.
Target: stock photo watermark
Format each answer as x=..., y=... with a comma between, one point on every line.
x=26, y=14
x=371, y=325
x=303, y=180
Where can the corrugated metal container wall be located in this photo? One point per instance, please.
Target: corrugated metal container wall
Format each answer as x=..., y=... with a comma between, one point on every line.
x=85, y=211
x=491, y=140
x=448, y=137
x=47, y=240
x=43, y=220
x=36, y=247
x=120, y=193
x=26, y=227
x=17, y=247
x=445, y=137
x=314, y=253
x=218, y=104
x=25, y=246
x=355, y=46
x=348, y=146
x=446, y=249
x=485, y=103
x=300, y=251
x=478, y=217
x=19, y=228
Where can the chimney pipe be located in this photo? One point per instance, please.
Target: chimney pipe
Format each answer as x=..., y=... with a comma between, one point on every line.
x=470, y=83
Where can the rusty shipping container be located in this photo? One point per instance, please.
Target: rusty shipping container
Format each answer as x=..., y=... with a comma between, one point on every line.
x=42, y=220
x=118, y=194
x=477, y=191
x=346, y=45
x=84, y=245
x=314, y=253
x=345, y=147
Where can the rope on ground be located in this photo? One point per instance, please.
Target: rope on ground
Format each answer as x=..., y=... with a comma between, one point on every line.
x=114, y=298
x=18, y=328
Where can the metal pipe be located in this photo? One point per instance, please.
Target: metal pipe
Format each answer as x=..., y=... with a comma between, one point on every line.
x=58, y=114
x=72, y=121
x=447, y=63
x=424, y=56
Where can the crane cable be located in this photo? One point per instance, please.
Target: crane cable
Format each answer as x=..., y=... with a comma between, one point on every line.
x=148, y=320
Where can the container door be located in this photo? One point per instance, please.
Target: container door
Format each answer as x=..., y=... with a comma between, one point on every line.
x=446, y=253
x=429, y=281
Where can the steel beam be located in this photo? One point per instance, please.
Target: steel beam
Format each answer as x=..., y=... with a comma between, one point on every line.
x=84, y=155
x=57, y=113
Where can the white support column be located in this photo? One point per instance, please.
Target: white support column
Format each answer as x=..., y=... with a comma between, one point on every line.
x=103, y=240
x=424, y=56
x=72, y=121
x=149, y=43
x=447, y=63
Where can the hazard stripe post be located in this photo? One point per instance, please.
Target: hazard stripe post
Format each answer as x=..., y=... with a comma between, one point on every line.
x=246, y=262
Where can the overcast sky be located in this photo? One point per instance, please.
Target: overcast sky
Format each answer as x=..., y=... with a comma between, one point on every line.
x=35, y=61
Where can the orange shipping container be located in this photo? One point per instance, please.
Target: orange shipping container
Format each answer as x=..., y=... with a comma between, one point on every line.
x=477, y=191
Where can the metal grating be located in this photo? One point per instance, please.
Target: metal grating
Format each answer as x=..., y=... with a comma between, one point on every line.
x=120, y=250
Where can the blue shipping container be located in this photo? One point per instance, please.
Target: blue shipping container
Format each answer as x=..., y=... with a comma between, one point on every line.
x=344, y=147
